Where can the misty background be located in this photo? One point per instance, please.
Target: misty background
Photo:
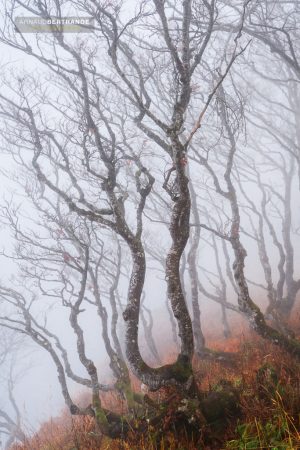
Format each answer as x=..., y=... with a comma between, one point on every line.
x=266, y=118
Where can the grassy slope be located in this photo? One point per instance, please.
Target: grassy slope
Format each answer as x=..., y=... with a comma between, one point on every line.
x=269, y=384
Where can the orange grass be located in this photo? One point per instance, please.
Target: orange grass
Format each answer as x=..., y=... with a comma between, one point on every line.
x=68, y=433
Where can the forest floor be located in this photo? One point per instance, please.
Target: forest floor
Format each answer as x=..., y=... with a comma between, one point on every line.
x=267, y=414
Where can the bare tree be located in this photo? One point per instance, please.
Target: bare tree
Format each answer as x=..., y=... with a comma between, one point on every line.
x=83, y=131
x=11, y=427
x=246, y=304
x=273, y=24
x=277, y=300
x=77, y=144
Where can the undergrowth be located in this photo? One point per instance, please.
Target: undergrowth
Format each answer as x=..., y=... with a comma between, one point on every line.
x=267, y=383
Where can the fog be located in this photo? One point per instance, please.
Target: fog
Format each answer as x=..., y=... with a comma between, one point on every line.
x=110, y=264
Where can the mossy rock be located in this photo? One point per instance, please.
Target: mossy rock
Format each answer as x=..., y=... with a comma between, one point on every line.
x=221, y=404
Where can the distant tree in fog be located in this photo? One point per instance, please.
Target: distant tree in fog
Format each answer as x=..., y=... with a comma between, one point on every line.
x=11, y=427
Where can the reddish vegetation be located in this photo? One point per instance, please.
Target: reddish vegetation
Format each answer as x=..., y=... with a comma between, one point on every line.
x=258, y=405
